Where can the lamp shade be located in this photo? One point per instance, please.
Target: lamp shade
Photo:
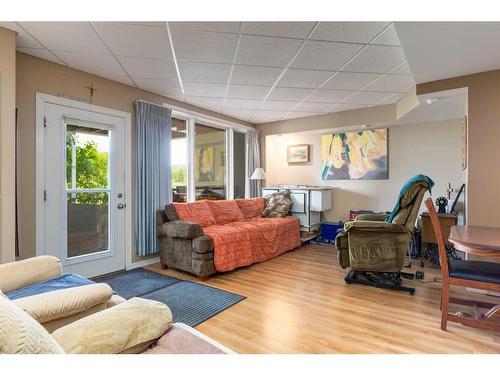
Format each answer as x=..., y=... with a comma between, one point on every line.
x=258, y=174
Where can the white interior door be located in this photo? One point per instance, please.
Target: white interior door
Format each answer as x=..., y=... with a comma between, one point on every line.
x=84, y=190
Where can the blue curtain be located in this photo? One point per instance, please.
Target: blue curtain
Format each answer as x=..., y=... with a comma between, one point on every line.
x=253, y=162
x=153, y=127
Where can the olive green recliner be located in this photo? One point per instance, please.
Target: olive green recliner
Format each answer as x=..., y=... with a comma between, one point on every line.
x=375, y=248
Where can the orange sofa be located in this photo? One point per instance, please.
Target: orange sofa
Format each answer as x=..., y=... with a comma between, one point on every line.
x=239, y=236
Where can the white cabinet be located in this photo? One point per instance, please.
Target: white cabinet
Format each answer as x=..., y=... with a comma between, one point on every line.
x=308, y=203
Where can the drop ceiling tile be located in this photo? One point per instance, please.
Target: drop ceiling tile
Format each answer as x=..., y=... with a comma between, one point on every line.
x=325, y=55
x=23, y=39
x=41, y=53
x=392, y=83
x=255, y=75
x=247, y=91
x=350, y=81
x=313, y=107
x=148, y=68
x=243, y=114
x=304, y=78
x=66, y=36
x=354, y=32
x=292, y=94
x=101, y=65
x=297, y=114
x=214, y=104
x=345, y=107
x=282, y=29
x=403, y=68
x=268, y=116
x=391, y=99
x=388, y=37
x=365, y=97
x=266, y=51
x=135, y=40
x=220, y=27
x=377, y=59
x=148, y=24
x=329, y=96
x=241, y=103
x=278, y=105
x=165, y=87
x=214, y=90
x=204, y=72
x=204, y=46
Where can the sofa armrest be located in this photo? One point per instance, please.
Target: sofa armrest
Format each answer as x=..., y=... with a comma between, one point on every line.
x=58, y=304
x=180, y=229
x=17, y=275
x=374, y=226
x=122, y=328
x=371, y=217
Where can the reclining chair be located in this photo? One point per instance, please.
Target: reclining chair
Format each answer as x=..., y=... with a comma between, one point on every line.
x=375, y=246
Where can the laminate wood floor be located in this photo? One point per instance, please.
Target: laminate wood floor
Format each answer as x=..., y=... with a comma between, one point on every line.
x=299, y=303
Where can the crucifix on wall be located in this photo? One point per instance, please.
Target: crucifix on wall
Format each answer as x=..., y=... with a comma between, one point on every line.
x=92, y=90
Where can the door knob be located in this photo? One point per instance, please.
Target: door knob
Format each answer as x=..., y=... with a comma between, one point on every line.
x=121, y=206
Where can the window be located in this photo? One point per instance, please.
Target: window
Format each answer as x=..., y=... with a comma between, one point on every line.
x=209, y=163
x=179, y=160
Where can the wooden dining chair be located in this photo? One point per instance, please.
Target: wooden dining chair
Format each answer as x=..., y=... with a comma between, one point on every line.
x=465, y=273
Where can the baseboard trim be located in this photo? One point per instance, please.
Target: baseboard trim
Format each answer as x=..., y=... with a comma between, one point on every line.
x=143, y=263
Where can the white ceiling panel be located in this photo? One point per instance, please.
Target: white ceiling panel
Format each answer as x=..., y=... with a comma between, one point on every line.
x=41, y=53
x=220, y=27
x=377, y=59
x=268, y=116
x=214, y=104
x=292, y=94
x=345, y=107
x=392, y=83
x=243, y=114
x=283, y=29
x=388, y=37
x=255, y=75
x=66, y=36
x=403, y=68
x=266, y=51
x=241, y=103
x=304, y=78
x=278, y=105
x=204, y=46
x=23, y=39
x=325, y=55
x=101, y=65
x=354, y=32
x=329, y=96
x=390, y=99
x=170, y=88
x=297, y=114
x=204, y=72
x=148, y=68
x=215, y=90
x=365, y=97
x=134, y=40
x=350, y=81
x=313, y=107
x=160, y=24
x=247, y=91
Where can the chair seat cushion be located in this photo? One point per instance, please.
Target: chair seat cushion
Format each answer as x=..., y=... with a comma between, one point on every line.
x=488, y=272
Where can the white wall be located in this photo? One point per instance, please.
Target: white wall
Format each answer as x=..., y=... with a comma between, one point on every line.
x=433, y=149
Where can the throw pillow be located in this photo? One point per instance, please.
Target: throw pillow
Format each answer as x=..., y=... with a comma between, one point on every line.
x=197, y=212
x=225, y=212
x=278, y=204
x=171, y=213
x=251, y=208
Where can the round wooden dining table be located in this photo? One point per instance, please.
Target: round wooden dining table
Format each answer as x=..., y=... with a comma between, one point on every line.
x=477, y=240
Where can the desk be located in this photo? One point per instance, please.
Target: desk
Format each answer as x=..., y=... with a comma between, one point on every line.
x=446, y=221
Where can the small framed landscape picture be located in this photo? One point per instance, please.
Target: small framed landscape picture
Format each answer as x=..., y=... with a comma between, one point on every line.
x=298, y=154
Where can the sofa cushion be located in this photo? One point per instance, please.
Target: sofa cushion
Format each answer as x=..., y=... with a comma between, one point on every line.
x=251, y=208
x=225, y=212
x=278, y=204
x=198, y=212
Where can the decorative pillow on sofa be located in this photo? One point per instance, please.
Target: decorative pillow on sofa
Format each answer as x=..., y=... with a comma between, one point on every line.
x=278, y=204
x=171, y=213
x=225, y=212
x=251, y=208
x=197, y=212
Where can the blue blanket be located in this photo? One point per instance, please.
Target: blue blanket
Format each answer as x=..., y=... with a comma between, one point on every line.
x=65, y=281
x=418, y=178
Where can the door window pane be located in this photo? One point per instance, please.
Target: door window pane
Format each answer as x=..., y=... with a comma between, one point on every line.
x=210, y=163
x=87, y=157
x=239, y=164
x=87, y=223
x=179, y=161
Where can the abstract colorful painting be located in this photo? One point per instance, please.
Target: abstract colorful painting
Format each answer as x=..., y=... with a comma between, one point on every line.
x=354, y=155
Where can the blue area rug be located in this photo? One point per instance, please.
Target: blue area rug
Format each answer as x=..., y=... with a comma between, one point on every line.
x=191, y=303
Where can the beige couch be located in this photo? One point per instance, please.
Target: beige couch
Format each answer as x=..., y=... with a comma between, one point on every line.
x=58, y=308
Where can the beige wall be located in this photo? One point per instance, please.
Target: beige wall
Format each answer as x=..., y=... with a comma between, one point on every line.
x=36, y=75
x=433, y=149
x=7, y=142
x=483, y=188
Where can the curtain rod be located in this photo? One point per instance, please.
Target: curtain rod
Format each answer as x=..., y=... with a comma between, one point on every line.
x=146, y=101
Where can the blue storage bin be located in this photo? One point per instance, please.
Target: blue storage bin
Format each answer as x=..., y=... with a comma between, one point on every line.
x=328, y=231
